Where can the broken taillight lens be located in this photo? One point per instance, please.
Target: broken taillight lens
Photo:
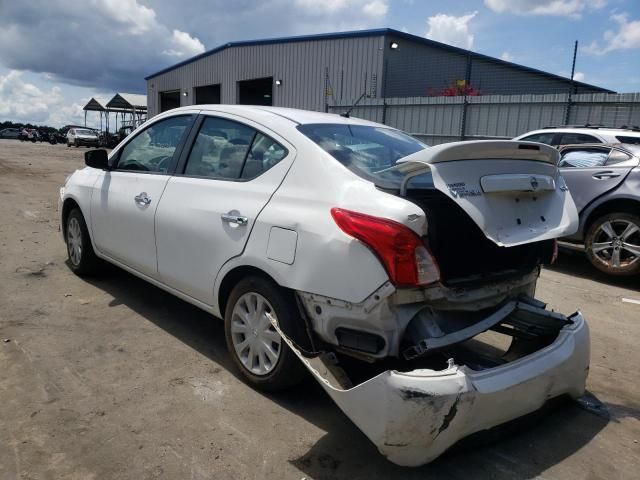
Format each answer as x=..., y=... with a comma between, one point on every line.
x=401, y=251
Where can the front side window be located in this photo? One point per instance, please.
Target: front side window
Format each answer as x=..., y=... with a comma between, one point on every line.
x=152, y=149
x=365, y=150
x=583, y=158
x=225, y=149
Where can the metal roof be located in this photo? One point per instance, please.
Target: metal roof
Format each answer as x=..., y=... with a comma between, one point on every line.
x=128, y=101
x=371, y=33
x=94, y=105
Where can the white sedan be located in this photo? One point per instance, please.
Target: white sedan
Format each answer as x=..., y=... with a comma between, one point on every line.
x=402, y=277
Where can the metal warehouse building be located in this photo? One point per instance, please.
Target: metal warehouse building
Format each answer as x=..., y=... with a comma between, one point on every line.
x=315, y=72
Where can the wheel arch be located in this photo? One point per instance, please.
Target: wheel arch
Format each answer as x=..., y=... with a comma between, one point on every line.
x=231, y=279
x=620, y=204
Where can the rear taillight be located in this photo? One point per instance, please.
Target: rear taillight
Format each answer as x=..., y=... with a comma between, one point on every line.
x=401, y=251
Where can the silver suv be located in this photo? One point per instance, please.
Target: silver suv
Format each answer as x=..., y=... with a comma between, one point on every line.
x=604, y=181
x=576, y=134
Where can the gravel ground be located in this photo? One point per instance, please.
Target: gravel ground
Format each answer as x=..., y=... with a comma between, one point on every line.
x=113, y=378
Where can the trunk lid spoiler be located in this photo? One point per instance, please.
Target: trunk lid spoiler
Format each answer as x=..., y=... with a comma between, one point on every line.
x=512, y=190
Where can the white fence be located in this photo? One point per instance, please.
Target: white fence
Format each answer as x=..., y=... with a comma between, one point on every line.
x=445, y=119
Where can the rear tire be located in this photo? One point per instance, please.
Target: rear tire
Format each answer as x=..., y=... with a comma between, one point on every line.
x=613, y=244
x=258, y=351
x=82, y=258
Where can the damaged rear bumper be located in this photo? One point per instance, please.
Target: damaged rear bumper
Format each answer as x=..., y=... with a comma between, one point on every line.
x=413, y=417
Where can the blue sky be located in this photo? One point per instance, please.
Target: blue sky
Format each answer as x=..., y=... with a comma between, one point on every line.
x=56, y=54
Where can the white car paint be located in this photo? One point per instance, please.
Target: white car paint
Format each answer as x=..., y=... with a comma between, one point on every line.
x=607, y=136
x=81, y=136
x=178, y=242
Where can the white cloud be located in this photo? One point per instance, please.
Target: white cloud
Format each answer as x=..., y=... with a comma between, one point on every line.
x=137, y=18
x=371, y=8
x=578, y=76
x=451, y=30
x=376, y=8
x=560, y=8
x=184, y=45
x=626, y=37
x=24, y=101
x=507, y=57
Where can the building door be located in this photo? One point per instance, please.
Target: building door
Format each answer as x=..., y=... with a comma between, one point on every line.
x=256, y=92
x=169, y=100
x=207, y=94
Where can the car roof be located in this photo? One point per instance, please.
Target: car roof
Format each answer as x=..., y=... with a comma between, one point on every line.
x=300, y=117
x=586, y=130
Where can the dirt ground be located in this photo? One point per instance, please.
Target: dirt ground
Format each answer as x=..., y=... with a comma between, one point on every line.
x=113, y=378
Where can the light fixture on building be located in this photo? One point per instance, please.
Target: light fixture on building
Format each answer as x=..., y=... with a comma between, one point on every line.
x=278, y=83
x=185, y=94
x=394, y=45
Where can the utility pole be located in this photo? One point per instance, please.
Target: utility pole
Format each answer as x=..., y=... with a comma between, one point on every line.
x=571, y=85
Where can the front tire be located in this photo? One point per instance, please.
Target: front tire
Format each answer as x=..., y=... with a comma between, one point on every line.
x=613, y=244
x=263, y=358
x=82, y=258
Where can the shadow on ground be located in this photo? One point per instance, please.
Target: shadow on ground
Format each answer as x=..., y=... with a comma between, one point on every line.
x=576, y=264
x=521, y=450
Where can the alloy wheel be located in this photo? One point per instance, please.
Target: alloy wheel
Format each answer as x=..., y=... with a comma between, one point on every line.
x=617, y=243
x=74, y=241
x=256, y=342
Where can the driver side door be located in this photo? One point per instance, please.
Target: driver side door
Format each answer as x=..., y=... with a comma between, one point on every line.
x=125, y=198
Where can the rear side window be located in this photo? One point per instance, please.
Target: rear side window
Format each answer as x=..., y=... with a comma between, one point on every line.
x=225, y=149
x=546, y=138
x=628, y=139
x=583, y=158
x=577, y=138
x=616, y=156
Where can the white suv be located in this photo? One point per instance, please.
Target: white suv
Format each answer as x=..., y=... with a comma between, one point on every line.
x=352, y=250
x=591, y=134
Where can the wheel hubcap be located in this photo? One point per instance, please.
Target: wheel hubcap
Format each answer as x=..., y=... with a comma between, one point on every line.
x=617, y=243
x=74, y=241
x=256, y=342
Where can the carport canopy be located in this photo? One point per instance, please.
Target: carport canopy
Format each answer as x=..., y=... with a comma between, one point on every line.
x=94, y=106
x=128, y=101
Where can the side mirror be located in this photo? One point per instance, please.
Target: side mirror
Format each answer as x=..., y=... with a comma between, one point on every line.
x=97, y=159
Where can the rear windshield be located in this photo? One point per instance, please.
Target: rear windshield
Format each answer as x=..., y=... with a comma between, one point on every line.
x=367, y=150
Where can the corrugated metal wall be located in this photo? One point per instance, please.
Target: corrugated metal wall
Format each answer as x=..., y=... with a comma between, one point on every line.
x=440, y=119
x=416, y=70
x=350, y=62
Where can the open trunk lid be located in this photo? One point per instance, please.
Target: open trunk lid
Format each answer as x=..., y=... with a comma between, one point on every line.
x=512, y=190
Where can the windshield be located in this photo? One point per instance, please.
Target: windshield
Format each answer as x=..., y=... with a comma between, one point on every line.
x=82, y=131
x=367, y=150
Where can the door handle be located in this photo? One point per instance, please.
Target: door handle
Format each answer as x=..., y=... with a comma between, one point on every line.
x=237, y=219
x=605, y=175
x=142, y=199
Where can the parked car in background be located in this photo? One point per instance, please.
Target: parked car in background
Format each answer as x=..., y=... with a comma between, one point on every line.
x=13, y=133
x=604, y=182
x=345, y=246
x=29, y=135
x=82, y=137
x=589, y=134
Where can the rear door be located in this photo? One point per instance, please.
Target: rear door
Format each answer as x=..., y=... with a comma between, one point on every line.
x=210, y=205
x=125, y=198
x=592, y=171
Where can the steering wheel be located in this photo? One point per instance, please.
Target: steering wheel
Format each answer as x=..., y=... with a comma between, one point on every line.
x=161, y=162
x=134, y=165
